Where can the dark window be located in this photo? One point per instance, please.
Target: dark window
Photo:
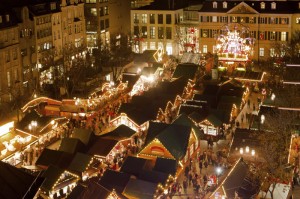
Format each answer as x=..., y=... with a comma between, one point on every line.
x=160, y=18
x=136, y=30
x=102, y=24
x=169, y=33
x=106, y=23
x=168, y=19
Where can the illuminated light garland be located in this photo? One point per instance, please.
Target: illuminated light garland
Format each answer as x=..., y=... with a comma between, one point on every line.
x=39, y=100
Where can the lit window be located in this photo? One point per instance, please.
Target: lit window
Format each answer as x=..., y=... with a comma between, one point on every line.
x=215, y=4
x=273, y=5
x=272, y=35
x=144, y=18
x=152, y=32
x=214, y=19
x=261, y=52
x=262, y=5
x=283, y=36
x=204, y=48
x=272, y=52
x=298, y=20
x=224, y=4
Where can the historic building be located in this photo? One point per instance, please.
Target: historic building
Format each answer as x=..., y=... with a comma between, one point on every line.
x=106, y=18
x=10, y=59
x=199, y=27
x=154, y=26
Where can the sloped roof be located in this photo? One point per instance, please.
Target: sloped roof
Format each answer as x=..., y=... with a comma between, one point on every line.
x=71, y=145
x=282, y=7
x=51, y=175
x=154, y=176
x=114, y=180
x=235, y=178
x=186, y=70
x=198, y=117
x=153, y=130
x=145, y=107
x=131, y=78
x=291, y=74
x=165, y=165
x=133, y=165
x=137, y=188
x=183, y=119
x=80, y=162
x=33, y=115
x=146, y=71
x=165, y=5
x=53, y=157
x=102, y=146
x=121, y=132
x=77, y=192
x=175, y=138
x=16, y=183
x=214, y=120
x=84, y=135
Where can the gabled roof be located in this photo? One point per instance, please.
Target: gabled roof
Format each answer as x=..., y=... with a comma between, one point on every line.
x=114, y=180
x=53, y=157
x=80, y=163
x=175, y=138
x=214, y=120
x=136, y=188
x=133, y=165
x=153, y=130
x=186, y=70
x=165, y=165
x=144, y=108
x=71, y=145
x=84, y=135
x=235, y=178
x=184, y=120
x=154, y=176
x=51, y=175
x=121, y=132
x=16, y=183
x=102, y=146
x=246, y=7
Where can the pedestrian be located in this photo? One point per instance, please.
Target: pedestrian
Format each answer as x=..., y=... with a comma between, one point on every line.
x=242, y=118
x=200, y=166
x=248, y=102
x=185, y=185
x=179, y=190
x=254, y=108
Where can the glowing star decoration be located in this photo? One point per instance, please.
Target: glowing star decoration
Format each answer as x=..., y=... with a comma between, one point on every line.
x=234, y=45
x=158, y=55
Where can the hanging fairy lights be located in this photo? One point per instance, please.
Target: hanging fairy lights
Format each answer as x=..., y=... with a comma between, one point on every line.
x=234, y=44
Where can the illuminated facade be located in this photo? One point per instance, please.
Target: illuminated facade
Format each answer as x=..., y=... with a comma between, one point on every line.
x=267, y=23
x=199, y=26
x=154, y=27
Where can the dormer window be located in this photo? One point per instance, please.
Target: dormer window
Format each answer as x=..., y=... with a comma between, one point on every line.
x=53, y=6
x=0, y=19
x=273, y=6
x=7, y=18
x=215, y=4
x=299, y=5
x=262, y=5
x=224, y=4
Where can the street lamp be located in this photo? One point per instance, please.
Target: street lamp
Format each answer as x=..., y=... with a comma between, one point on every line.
x=219, y=171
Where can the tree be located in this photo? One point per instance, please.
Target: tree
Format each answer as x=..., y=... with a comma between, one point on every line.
x=274, y=141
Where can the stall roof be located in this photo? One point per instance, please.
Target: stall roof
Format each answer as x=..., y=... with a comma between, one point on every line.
x=77, y=192
x=80, y=162
x=133, y=165
x=186, y=70
x=145, y=107
x=153, y=130
x=121, y=132
x=137, y=188
x=175, y=138
x=51, y=175
x=215, y=121
x=165, y=165
x=71, y=145
x=154, y=176
x=53, y=157
x=33, y=115
x=16, y=183
x=183, y=119
x=235, y=178
x=84, y=135
x=146, y=71
x=102, y=146
x=114, y=180
x=131, y=78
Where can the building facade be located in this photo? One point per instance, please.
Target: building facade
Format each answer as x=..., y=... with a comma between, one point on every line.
x=10, y=57
x=199, y=26
x=155, y=27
